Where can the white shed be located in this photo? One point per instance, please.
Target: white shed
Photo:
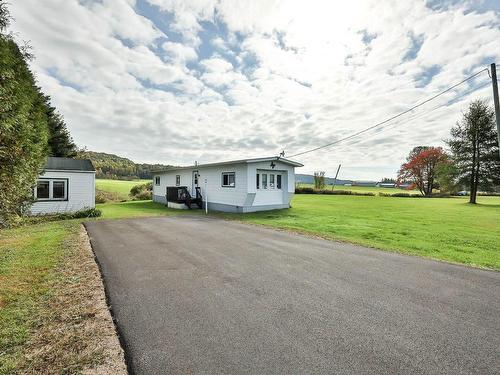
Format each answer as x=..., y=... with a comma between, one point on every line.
x=65, y=185
x=234, y=186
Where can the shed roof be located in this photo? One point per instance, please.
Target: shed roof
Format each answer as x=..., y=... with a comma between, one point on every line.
x=68, y=164
x=241, y=161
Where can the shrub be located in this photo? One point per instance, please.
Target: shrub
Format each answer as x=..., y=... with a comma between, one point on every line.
x=83, y=213
x=102, y=196
x=407, y=195
x=144, y=195
x=304, y=190
x=142, y=191
x=309, y=190
x=400, y=195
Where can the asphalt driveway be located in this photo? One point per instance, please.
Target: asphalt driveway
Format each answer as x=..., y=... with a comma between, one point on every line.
x=195, y=295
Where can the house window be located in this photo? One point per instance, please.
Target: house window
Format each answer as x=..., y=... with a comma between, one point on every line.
x=228, y=179
x=178, y=180
x=278, y=181
x=271, y=181
x=257, y=179
x=157, y=180
x=51, y=189
x=264, y=181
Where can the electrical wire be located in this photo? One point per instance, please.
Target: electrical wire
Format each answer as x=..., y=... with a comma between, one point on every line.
x=391, y=118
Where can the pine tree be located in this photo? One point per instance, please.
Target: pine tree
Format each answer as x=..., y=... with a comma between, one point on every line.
x=60, y=142
x=474, y=146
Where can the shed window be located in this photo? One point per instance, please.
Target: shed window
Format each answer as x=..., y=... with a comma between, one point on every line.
x=178, y=180
x=257, y=179
x=157, y=180
x=51, y=189
x=278, y=181
x=58, y=189
x=264, y=181
x=228, y=179
x=42, y=189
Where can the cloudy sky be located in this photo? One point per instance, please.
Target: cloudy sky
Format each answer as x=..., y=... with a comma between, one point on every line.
x=174, y=81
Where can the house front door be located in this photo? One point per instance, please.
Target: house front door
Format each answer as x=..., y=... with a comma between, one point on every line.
x=196, y=177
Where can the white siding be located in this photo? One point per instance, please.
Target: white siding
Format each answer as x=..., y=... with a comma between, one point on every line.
x=269, y=196
x=224, y=195
x=168, y=179
x=81, y=193
x=213, y=175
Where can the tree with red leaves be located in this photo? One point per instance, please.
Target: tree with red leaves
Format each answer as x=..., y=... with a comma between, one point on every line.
x=421, y=168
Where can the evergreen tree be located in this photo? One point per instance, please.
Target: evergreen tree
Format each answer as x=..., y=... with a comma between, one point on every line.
x=474, y=146
x=23, y=126
x=60, y=142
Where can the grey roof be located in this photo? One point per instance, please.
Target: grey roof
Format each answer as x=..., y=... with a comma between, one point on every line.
x=68, y=164
x=255, y=160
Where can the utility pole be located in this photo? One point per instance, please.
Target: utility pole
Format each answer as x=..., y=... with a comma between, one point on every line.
x=495, y=99
x=336, y=174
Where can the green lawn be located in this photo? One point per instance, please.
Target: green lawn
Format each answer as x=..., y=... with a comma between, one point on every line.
x=122, y=188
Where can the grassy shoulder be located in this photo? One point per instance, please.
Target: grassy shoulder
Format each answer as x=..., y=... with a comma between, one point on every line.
x=52, y=317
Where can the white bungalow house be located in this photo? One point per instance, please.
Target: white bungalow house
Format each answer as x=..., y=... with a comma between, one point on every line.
x=64, y=185
x=234, y=186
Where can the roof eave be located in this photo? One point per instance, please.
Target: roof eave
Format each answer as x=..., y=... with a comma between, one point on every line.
x=243, y=161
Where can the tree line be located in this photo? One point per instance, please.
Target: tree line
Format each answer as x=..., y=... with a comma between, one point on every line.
x=472, y=162
x=115, y=167
x=30, y=126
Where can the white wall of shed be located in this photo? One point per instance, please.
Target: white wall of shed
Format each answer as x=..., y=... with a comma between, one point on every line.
x=81, y=193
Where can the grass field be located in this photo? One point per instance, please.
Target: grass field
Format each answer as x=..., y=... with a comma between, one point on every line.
x=122, y=188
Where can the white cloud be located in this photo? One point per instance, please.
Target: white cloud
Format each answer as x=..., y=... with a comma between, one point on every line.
x=266, y=75
x=179, y=52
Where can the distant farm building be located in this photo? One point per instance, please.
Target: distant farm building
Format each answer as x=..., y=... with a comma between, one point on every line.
x=365, y=183
x=386, y=184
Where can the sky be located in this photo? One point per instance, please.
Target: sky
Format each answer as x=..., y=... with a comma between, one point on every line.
x=178, y=81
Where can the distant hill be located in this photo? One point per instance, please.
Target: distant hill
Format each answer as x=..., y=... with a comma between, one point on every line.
x=118, y=168
x=309, y=179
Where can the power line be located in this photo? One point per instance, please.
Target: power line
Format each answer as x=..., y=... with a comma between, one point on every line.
x=391, y=118
x=422, y=114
